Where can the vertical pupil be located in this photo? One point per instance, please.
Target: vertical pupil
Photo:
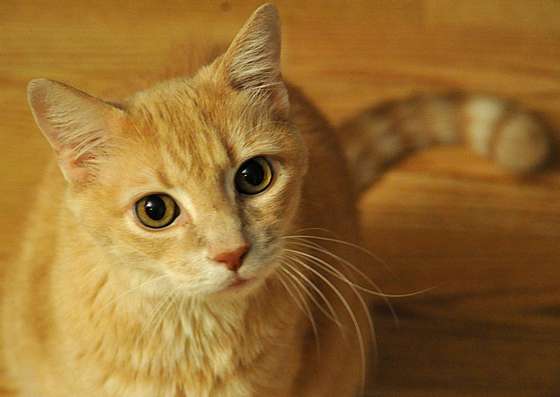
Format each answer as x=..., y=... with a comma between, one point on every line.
x=155, y=208
x=253, y=173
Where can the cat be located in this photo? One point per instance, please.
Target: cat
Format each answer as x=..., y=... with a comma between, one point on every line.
x=182, y=243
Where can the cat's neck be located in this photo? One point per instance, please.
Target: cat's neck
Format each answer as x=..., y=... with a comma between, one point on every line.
x=118, y=329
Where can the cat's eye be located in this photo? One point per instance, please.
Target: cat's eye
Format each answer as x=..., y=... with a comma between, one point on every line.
x=156, y=211
x=253, y=176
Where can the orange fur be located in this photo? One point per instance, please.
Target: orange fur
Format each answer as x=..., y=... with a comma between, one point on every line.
x=99, y=306
x=515, y=138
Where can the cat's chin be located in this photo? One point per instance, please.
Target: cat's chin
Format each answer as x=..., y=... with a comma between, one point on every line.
x=240, y=285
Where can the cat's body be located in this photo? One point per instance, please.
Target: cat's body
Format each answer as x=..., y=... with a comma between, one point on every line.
x=78, y=306
x=264, y=344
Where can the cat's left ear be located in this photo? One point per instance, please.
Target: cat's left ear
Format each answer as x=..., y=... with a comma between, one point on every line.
x=76, y=125
x=252, y=61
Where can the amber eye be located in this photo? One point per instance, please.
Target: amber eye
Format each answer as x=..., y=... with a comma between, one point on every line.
x=156, y=210
x=253, y=176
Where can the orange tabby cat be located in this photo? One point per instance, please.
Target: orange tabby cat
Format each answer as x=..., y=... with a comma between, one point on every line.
x=177, y=255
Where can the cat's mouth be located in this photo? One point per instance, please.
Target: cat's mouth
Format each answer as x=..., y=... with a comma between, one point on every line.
x=239, y=283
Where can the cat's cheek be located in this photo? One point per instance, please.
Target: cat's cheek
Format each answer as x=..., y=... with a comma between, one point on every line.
x=262, y=264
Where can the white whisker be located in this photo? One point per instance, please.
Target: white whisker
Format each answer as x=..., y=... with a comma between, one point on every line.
x=348, y=309
x=337, y=273
x=304, y=308
x=348, y=244
x=330, y=313
x=351, y=266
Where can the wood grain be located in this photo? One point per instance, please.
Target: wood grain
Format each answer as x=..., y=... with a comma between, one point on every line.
x=486, y=242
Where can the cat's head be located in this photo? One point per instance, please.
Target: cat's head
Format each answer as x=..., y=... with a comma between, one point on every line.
x=196, y=178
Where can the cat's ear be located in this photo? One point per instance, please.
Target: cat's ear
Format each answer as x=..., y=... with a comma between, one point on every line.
x=252, y=61
x=76, y=125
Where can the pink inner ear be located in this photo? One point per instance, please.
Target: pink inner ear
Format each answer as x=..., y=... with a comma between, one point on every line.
x=75, y=170
x=76, y=167
x=76, y=125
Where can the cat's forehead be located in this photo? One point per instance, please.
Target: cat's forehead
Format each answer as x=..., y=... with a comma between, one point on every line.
x=198, y=131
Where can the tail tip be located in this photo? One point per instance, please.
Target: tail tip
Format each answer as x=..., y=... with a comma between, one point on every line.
x=525, y=144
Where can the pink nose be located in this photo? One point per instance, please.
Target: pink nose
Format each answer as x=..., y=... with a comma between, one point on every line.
x=233, y=259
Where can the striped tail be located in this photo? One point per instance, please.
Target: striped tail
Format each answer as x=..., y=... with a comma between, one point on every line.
x=515, y=138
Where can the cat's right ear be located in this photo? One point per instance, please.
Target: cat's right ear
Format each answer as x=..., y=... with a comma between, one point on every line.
x=76, y=125
x=252, y=61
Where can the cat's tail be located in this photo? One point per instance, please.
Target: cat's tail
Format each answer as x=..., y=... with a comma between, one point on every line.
x=513, y=137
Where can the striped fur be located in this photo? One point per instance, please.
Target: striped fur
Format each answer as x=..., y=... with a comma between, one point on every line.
x=99, y=306
x=512, y=136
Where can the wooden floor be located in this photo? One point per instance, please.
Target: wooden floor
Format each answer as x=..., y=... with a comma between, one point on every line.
x=488, y=243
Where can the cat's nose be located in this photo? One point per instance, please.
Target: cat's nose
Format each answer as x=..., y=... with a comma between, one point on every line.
x=233, y=259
